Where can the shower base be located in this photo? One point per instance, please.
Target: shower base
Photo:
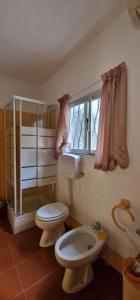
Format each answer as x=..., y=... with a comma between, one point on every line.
x=26, y=220
x=20, y=223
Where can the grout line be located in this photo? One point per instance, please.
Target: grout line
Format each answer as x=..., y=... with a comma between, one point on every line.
x=52, y=271
x=47, y=264
x=21, y=285
x=15, y=297
x=24, y=260
x=35, y=283
x=13, y=261
x=31, y=286
x=5, y=271
x=23, y=290
x=25, y=295
x=15, y=267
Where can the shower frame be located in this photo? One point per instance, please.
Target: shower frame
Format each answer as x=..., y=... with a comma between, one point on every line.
x=26, y=220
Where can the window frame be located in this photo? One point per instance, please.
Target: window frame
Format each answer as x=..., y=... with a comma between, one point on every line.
x=87, y=100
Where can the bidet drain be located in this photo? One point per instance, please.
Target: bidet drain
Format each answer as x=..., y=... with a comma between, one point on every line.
x=90, y=246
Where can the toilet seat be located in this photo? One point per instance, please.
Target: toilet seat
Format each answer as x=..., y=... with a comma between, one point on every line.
x=52, y=211
x=51, y=219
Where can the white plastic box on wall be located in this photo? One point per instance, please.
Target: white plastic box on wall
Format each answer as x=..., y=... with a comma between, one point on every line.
x=70, y=166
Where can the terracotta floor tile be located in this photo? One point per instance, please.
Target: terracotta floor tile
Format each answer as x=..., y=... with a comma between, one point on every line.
x=47, y=289
x=9, y=285
x=40, y=273
x=23, y=246
x=37, y=234
x=49, y=256
x=108, y=279
x=20, y=297
x=6, y=259
x=32, y=270
x=3, y=242
x=25, y=236
x=59, y=273
x=2, y=230
x=5, y=229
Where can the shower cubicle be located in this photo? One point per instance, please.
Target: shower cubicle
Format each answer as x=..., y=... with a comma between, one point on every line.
x=30, y=128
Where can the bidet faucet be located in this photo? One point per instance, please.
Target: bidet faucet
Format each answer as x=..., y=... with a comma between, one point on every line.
x=96, y=225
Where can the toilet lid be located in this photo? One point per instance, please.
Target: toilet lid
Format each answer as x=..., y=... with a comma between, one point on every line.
x=52, y=211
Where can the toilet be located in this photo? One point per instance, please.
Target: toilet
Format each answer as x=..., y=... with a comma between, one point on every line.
x=50, y=218
x=76, y=250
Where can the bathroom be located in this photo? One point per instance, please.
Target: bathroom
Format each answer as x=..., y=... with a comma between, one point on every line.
x=79, y=52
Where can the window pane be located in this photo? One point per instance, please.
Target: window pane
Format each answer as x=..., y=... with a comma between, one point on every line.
x=95, y=108
x=78, y=127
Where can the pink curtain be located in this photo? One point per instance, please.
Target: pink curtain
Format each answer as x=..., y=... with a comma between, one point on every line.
x=112, y=137
x=63, y=125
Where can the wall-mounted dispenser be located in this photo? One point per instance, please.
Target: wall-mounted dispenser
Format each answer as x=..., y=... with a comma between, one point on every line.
x=70, y=165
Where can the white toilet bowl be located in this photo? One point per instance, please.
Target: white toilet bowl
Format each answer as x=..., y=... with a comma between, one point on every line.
x=50, y=218
x=75, y=251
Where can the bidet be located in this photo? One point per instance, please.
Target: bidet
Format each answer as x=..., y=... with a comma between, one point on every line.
x=76, y=250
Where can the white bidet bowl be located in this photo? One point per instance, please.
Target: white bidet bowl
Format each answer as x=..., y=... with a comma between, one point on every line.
x=75, y=251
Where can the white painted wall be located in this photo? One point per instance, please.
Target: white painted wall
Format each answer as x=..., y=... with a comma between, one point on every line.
x=10, y=86
x=97, y=192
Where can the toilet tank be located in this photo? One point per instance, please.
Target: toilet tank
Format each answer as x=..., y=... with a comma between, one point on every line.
x=70, y=166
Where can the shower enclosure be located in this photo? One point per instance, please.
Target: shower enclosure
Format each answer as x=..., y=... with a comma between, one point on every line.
x=29, y=158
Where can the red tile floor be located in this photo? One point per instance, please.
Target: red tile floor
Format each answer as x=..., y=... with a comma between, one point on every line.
x=32, y=273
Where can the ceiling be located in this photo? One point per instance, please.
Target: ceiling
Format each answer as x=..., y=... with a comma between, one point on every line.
x=38, y=36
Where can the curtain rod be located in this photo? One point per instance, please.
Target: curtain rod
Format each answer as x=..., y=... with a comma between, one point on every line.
x=79, y=90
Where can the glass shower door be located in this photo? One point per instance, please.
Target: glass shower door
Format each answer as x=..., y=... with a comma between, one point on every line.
x=37, y=162
x=10, y=155
x=30, y=128
x=47, y=169
x=29, y=192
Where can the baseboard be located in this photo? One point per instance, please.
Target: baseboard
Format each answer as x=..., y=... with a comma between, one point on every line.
x=111, y=257
x=71, y=222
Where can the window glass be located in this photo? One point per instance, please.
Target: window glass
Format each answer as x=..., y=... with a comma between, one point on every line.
x=84, y=119
x=78, y=126
x=95, y=109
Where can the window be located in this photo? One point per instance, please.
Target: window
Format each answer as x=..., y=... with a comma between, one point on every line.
x=84, y=119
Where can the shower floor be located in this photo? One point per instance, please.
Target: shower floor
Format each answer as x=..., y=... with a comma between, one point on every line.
x=25, y=219
x=32, y=203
